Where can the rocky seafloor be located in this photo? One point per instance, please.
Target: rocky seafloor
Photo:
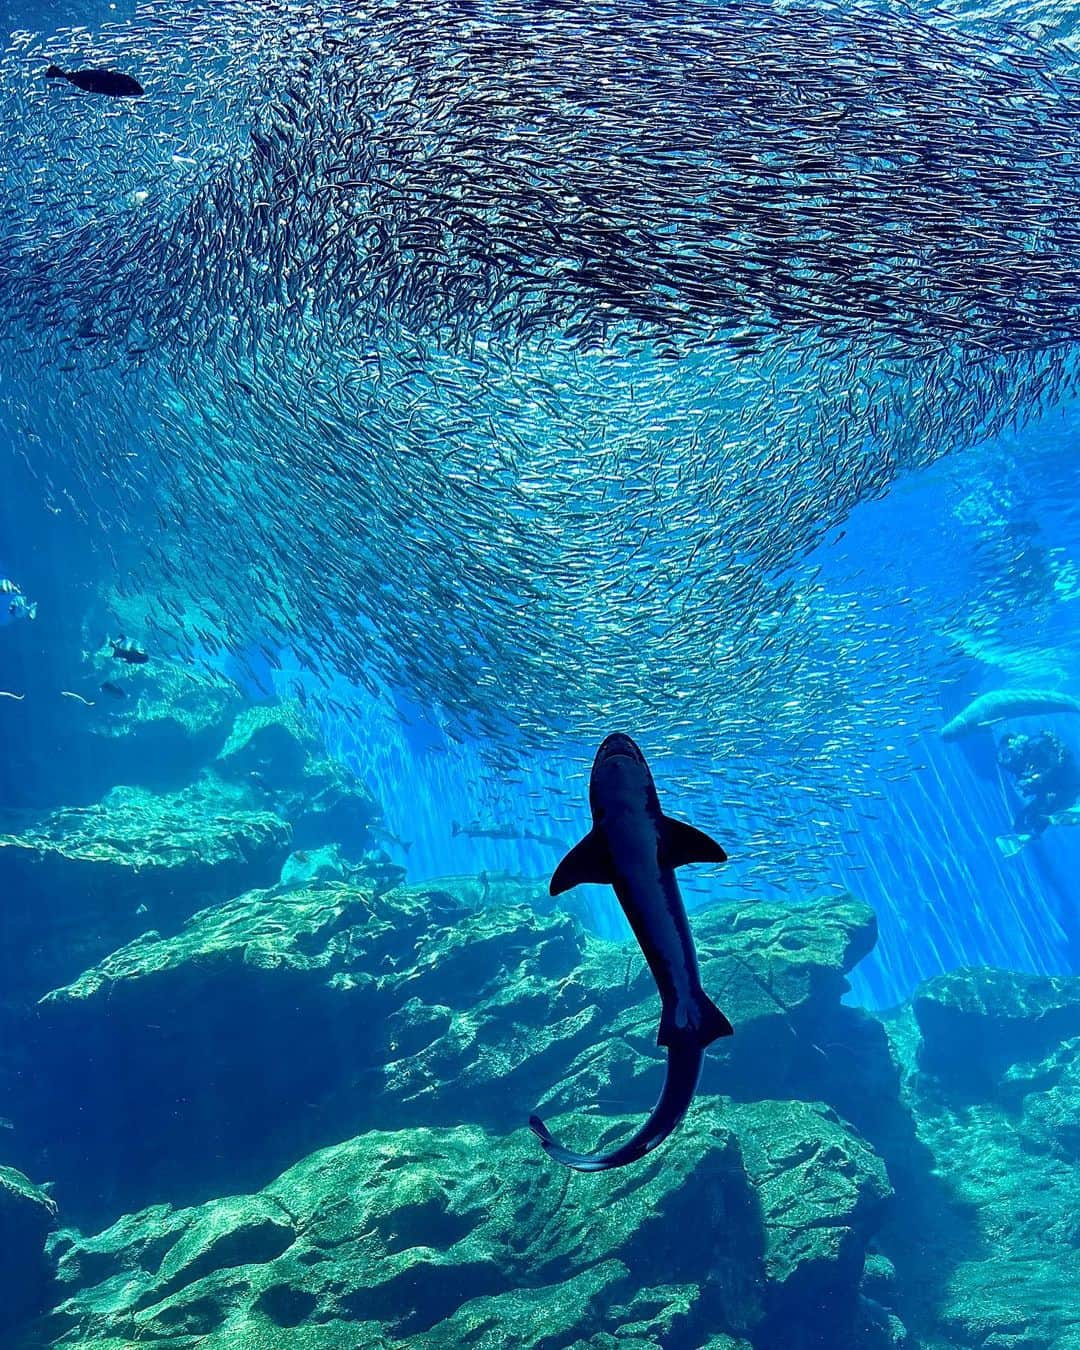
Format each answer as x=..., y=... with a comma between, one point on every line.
x=258, y=1091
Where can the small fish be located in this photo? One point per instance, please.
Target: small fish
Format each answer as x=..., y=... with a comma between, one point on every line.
x=381, y=832
x=123, y=650
x=114, y=689
x=13, y=604
x=477, y=830
x=111, y=83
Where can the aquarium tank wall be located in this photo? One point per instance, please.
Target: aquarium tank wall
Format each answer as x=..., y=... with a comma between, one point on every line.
x=539, y=675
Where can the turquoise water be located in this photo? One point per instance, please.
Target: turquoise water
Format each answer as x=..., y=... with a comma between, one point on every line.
x=426, y=393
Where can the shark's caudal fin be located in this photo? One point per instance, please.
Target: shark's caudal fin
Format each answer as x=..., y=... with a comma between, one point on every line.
x=683, y=1071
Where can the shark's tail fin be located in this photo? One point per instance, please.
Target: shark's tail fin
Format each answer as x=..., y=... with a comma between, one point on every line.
x=683, y=1069
x=695, y=1020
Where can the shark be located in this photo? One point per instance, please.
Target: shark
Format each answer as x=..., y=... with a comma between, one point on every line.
x=1001, y=704
x=635, y=848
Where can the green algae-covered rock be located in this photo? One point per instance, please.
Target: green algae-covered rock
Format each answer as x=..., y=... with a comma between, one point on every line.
x=331, y=805
x=1051, y=1110
x=273, y=742
x=288, y=1018
x=986, y=1244
x=1013, y=1281
x=89, y=878
x=26, y=1216
x=167, y=723
x=821, y=1189
x=273, y=750
x=434, y=1238
x=779, y=974
x=282, y=1020
x=976, y=1023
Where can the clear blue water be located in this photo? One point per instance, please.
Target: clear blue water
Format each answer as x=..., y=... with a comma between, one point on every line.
x=460, y=640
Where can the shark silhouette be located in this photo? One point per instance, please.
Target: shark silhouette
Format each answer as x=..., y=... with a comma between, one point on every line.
x=635, y=848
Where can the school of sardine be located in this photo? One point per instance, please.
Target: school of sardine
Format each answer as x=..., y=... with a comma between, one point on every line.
x=519, y=356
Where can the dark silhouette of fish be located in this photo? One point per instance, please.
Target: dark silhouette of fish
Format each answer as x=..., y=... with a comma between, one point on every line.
x=113, y=689
x=478, y=830
x=635, y=848
x=112, y=83
x=123, y=650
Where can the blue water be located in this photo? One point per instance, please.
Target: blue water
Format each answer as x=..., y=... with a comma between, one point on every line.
x=955, y=576
x=967, y=569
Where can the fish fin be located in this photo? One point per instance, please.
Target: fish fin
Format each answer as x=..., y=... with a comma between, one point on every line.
x=587, y=861
x=1011, y=844
x=697, y=1020
x=55, y=73
x=681, y=843
x=680, y=1083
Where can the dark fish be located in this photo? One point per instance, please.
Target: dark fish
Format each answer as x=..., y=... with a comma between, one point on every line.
x=112, y=83
x=635, y=848
x=123, y=650
x=114, y=689
x=479, y=831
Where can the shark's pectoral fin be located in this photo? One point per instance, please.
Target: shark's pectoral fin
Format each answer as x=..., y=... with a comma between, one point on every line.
x=681, y=844
x=588, y=861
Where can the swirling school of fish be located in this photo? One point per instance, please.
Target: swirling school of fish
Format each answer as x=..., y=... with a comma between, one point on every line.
x=517, y=356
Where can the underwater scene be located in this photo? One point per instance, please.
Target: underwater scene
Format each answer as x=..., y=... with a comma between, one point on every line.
x=539, y=674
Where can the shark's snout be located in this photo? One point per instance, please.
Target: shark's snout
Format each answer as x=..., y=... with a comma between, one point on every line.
x=619, y=744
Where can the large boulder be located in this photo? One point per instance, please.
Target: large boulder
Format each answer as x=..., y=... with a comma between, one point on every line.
x=1051, y=1106
x=976, y=1023
x=822, y=1192
x=27, y=1213
x=288, y=1018
x=460, y=1236
x=272, y=750
x=90, y=878
x=158, y=725
x=987, y=1245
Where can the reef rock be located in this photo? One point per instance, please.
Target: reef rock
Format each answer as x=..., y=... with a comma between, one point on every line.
x=458, y=1236
x=987, y=1245
x=976, y=1023
x=271, y=743
x=163, y=727
x=26, y=1216
x=289, y=1018
x=1051, y=1108
x=90, y=878
x=273, y=751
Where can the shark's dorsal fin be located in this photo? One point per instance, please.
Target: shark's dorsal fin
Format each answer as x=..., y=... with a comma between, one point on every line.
x=681, y=844
x=587, y=861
